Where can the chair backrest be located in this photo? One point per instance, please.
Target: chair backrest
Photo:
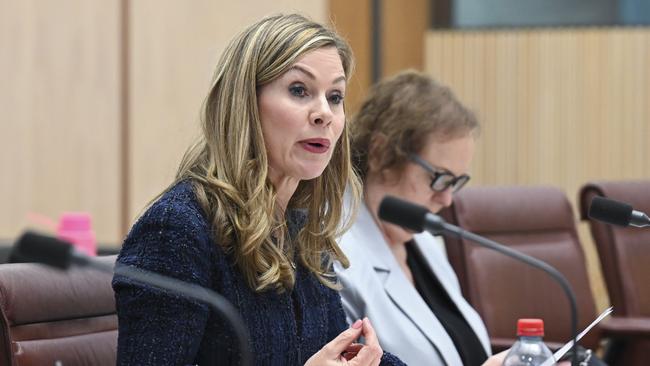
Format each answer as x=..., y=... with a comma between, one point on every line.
x=623, y=252
x=49, y=315
x=537, y=221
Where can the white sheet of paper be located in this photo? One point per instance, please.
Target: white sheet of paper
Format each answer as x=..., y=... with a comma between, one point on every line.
x=559, y=353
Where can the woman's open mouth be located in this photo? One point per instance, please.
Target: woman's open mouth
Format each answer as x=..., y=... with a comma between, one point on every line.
x=317, y=146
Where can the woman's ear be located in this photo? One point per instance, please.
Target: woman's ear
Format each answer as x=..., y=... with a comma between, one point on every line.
x=374, y=151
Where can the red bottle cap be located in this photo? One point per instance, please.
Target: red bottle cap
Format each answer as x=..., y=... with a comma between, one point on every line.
x=530, y=327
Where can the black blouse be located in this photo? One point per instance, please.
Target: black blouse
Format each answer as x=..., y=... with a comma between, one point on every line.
x=427, y=284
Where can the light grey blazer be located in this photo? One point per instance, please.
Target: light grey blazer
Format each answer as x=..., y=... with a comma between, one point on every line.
x=376, y=287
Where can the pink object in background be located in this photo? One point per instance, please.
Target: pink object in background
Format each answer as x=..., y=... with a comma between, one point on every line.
x=76, y=228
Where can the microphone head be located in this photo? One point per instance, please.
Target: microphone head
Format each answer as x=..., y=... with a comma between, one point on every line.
x=403, y=213
x=610, y=211
x=37, y=248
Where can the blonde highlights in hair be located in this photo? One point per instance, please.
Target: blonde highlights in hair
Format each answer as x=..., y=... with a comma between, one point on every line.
x=228, y=165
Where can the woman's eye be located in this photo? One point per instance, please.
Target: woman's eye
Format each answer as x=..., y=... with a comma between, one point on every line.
x=336, y=99
x=297, y=90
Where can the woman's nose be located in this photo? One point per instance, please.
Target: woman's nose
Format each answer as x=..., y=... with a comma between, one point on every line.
x=445, y=197
x=322, y=113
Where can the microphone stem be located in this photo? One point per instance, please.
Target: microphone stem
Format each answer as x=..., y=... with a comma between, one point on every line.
x=189, y=290
x=554, y=273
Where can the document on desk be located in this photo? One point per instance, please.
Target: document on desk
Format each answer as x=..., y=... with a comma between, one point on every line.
x=559, y=353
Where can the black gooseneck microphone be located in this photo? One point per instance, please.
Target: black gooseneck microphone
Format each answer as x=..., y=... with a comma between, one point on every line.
x=418, y=218
x=33, y=247
x=616, y=213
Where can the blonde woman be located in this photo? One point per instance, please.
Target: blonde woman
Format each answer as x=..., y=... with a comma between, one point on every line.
x=253, y=214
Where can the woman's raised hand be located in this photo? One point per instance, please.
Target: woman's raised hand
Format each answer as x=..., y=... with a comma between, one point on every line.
x=343, y=350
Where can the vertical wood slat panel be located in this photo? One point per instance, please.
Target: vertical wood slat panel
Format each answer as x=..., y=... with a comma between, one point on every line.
x=59, y=124
x=558, y=106
x=577, y=96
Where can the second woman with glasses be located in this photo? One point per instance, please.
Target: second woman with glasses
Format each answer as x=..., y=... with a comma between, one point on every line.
x=414, y=140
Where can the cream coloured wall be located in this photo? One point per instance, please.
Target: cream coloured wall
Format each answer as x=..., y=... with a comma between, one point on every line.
x=59, y=105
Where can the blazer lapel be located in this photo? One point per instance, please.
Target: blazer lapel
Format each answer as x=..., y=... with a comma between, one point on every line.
x=399, y=289
x=403, y=293
x=432, y=249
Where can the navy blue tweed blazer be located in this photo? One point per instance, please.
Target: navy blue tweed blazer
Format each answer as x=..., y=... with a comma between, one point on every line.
x=174, y=238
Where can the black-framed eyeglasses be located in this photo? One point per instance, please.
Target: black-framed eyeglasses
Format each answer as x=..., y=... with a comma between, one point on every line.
x=440, y=179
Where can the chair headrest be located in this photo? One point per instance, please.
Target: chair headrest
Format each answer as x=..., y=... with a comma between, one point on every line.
x=500, y=209
x=32, y=292
x=634, y=192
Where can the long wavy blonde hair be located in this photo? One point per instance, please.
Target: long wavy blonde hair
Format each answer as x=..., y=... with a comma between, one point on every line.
x=228, y=165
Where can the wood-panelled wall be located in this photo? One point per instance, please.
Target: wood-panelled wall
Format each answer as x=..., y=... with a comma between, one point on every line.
x=558, y=107
x=62, y=126
x=175, y=46
x=59, y=112
x=404, y=26
x=401, y=33
x=352, y=19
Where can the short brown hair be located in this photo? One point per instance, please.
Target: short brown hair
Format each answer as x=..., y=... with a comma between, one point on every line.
x=405, y=110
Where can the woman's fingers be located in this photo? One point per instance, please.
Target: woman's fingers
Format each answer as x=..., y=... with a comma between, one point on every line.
x=336, y=346
x=344, y=350
x=352, y=351
x=371, y=352
x=354, y=347
x=369, y=333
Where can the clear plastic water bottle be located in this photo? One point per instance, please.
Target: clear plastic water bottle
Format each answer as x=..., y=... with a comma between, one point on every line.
x=529, y=350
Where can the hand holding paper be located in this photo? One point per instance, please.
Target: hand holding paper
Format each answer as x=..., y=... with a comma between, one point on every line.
x=564, y=349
